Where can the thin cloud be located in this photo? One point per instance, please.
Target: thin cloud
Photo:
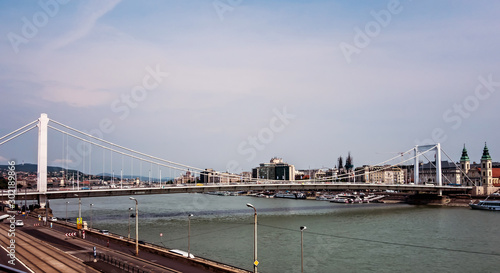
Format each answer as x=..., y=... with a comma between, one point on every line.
x=91, y=13
x=62, y=161
x=3, y=159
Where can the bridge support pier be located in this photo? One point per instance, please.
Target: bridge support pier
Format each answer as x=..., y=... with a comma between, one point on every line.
x=428, y=199
x=42, y=200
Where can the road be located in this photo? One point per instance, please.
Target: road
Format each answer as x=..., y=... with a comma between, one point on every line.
x=48, y=249
x=33, y=255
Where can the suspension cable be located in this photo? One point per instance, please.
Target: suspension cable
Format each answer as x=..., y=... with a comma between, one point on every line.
x=436, y=169
x=361, y=172
x=19, y=134
x=461, y=170
x=111, y=149
x=124, y=148
x=13, y=132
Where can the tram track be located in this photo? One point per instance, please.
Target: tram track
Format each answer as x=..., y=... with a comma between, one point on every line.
x=40, y=256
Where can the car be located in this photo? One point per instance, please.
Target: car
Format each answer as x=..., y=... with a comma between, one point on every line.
x=19, y=223
x=104, y=231
x=53, y=219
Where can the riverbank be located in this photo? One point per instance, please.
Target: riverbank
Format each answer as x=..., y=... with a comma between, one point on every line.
x=451, y=200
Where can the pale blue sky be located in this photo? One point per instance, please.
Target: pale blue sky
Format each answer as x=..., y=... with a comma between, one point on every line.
x=230, y=70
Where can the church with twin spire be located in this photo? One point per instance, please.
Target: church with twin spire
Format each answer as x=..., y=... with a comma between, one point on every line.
x=484, y=177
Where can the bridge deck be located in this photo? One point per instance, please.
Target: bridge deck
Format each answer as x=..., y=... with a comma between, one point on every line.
x=171, y=189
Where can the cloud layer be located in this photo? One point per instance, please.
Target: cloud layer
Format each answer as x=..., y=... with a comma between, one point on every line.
x=227, y=74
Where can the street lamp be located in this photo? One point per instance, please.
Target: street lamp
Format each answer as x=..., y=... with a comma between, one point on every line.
x=255, y=262
x=136, y=226
x=91, y=216
x=129, y=210
x=67, y=211
x=79, y=214
x=189, y=235
x=46, y=212
x=302, y=248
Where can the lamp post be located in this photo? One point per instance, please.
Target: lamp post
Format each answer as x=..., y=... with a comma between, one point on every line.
x=255, y=262
x=67, y=211
x=129, y=210
x=189, y=235
x=79, y=214
x=46, y=213
x=136, y=226
x=91, y=216
x=302, y=248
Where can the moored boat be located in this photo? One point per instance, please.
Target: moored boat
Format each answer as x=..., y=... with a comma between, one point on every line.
x=346, y=199
x=296, y=195
x=486, y=205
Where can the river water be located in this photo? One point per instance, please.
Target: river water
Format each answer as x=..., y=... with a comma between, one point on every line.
x=338, y=238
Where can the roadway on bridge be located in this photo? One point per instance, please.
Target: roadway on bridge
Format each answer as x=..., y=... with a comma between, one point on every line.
x=236, y=187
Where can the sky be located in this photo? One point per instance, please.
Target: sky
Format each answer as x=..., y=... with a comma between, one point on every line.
x=229, y=84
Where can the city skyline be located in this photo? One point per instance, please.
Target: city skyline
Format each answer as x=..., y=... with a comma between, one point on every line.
x=215, y=85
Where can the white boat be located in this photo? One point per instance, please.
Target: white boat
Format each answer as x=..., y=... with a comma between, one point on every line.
x=373, y=198
x=297, y=195
x=346, y=198
x=486, y=205
x=324, y=197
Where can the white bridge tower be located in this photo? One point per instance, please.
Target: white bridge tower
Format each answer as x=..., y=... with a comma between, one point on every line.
x=42, y=158
x=425, y=148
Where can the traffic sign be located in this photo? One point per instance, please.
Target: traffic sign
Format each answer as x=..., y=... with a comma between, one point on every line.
x=256, y=263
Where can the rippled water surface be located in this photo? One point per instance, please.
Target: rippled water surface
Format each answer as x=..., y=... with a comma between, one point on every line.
x=338, y=238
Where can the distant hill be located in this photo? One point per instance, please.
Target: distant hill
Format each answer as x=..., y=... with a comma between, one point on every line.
x=33, y=168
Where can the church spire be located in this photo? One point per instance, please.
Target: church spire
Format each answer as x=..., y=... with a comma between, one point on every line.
x=465, y=156
x=486, y=153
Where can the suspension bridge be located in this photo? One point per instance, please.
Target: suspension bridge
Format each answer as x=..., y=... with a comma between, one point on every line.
x=86, y=155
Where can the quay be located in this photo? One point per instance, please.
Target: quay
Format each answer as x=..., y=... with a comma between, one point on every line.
x=47, y=248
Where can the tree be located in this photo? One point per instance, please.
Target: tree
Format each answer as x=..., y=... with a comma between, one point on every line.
x=3, y=183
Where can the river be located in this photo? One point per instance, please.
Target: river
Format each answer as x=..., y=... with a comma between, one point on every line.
x=338, y=238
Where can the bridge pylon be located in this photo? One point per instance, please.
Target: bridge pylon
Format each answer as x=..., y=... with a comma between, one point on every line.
x=416, y=167
x=42, y=155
